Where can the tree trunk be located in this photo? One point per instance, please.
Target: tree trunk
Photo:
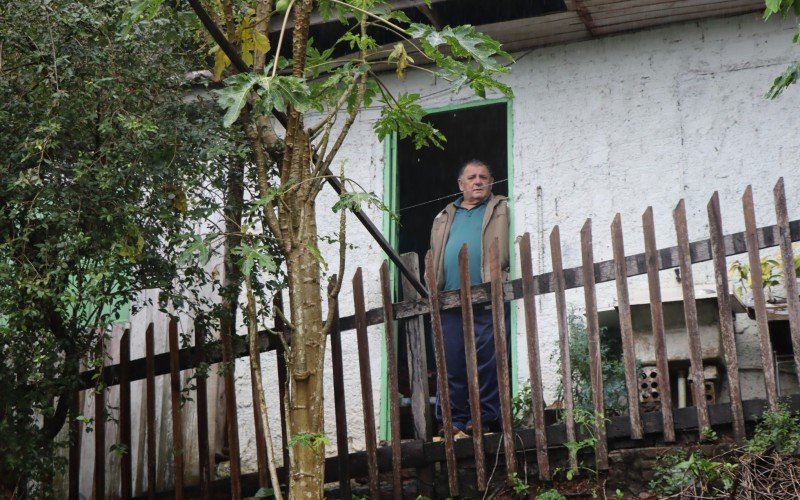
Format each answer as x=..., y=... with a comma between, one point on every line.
x=306, y=363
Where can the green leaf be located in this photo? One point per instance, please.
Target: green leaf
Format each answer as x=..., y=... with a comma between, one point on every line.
x=773, y=6
x=355, y=200
x=233, y=96
x=265, y=493
x=280, y=91
x=405, y=116
x=787, y=78
x=252, y=255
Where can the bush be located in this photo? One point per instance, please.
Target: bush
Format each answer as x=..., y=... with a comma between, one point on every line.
x=614, y=390
x=777, y=430
x=683, y=472
x=551, y=494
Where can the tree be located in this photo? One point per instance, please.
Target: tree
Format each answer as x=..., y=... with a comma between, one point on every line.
x=108, y=163
x=792, y=73
x=265, y=86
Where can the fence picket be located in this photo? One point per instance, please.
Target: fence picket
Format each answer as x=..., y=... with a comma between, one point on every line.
x=339, y=401
x=441, y=374
x=418, y=373
x=366, y=383
x=394, y=389
x=626, y=328
x=261, y=441
x=789, y=277
x=99, y=479
x=74, y=472
x=559, y=289
x=759, y=303
x=150, y=411
x=471, y=358
x=534, y=362
x=657, y=317
x=726, y=316
x=175, y=399
x=501, y=354
x=126, y=472
x=690, y=316
x=231, y=416
x=204, y=461
x=595, y=363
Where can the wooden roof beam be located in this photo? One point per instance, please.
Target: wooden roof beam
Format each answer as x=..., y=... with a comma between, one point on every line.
x=277, y=20
x=583, y=13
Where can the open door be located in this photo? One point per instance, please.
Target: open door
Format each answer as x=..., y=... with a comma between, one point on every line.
x=426, y=181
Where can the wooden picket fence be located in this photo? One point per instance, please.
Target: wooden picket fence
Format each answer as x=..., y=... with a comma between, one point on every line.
x=421, y=453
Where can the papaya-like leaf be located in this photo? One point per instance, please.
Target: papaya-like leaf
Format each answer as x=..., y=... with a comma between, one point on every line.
x=234, y=95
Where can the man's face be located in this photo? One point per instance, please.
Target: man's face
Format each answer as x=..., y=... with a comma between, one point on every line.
x=475, y=184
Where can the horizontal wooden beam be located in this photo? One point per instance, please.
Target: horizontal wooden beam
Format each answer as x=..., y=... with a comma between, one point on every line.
x=603, y=272
x=416, y=453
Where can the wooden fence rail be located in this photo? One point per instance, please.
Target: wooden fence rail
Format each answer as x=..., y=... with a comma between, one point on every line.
x=420, y=452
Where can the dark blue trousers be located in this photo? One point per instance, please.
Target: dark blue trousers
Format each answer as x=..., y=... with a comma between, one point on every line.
x=455, y=358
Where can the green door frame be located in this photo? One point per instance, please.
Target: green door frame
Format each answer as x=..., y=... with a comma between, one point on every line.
x=390, y=230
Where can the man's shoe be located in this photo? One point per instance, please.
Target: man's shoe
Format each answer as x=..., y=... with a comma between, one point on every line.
x=457, y=433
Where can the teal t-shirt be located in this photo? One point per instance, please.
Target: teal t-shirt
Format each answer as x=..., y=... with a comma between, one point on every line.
x=466, y=228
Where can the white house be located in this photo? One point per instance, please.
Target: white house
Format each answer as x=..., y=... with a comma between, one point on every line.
x=618, y=105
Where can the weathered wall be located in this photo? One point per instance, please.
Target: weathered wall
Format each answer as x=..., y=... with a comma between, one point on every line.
x=604, y=126
x=615, y=125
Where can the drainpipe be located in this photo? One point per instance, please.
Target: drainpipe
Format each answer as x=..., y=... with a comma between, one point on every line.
x=681, y=389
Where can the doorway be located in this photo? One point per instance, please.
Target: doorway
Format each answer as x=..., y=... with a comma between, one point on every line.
x=420, y=183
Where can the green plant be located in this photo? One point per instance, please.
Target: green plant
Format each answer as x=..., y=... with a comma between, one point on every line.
x=618, y=494
x=778, y=430
x=314, y=441
x=551, y=494
x=522, y=407
x=585, y=421
x=681, y=471
x=708, y=435
x=519, y=486
x=614, y=389
x=792, y=73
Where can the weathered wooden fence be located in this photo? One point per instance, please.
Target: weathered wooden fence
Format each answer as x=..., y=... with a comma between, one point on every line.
x=420, y=453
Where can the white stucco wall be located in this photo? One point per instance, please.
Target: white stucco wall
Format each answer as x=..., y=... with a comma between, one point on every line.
x=604, y=126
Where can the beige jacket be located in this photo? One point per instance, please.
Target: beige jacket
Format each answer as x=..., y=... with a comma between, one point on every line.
x=495, y=225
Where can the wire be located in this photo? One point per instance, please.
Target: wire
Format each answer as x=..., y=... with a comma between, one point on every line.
x=453, y=195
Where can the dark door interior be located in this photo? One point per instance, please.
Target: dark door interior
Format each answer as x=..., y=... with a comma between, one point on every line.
x=427, y=177
x=427, y=181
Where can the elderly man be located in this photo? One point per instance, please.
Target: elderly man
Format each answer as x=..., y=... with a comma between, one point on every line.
x=476, y=218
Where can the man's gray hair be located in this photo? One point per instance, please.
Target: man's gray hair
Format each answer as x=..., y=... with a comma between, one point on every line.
x=477, y=163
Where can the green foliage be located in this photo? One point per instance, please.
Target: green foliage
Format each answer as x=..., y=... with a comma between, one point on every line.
x=106, y=159
x=274, y=93
x=771, y=274
x=678, y=471
x=355, y=201
x=404, y=116
x=522, y=407
x=314, y=441
x=585, y=422
x=785, y=8
x=708, y=435
x=779, y=431
x=519, y=486
x=551, y=494
x=614, y=390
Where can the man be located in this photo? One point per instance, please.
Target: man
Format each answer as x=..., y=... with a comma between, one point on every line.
x=476, y=218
